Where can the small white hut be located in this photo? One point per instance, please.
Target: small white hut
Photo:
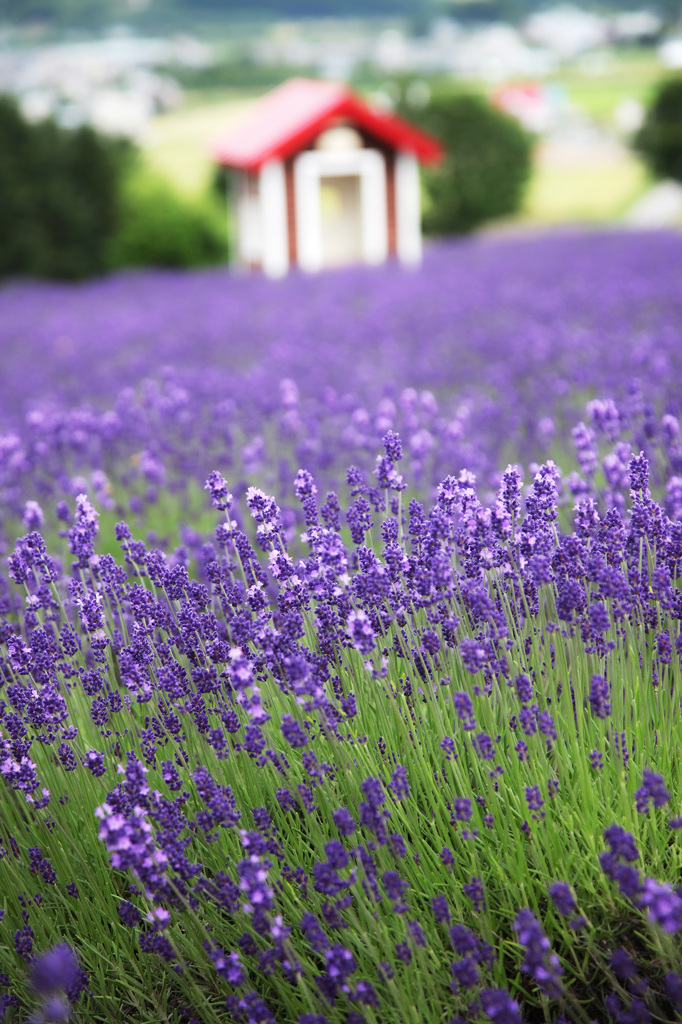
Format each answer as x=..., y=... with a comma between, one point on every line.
x=320, y=179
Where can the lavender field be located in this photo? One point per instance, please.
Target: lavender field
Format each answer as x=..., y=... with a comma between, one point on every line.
x=340, y=642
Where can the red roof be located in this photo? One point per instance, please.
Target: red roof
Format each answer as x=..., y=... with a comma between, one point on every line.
x=290, y=117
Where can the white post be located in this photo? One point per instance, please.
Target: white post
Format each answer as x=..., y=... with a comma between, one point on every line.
x=275, y=235
x=373, y=207
x=249, y=239
x=408, y=209
x=308, y=212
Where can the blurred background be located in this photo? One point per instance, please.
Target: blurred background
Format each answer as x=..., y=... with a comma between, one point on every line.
x=115, y=104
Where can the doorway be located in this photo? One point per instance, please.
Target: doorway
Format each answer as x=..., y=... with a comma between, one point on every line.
x=340, y=220
x=340, y=204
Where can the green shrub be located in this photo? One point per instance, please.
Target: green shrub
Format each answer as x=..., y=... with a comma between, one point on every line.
x=659, y=140
x=486, y=166
x=160, y=228
x=59, y=196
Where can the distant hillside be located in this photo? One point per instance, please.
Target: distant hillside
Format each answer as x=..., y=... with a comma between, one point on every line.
x=159, y=15
x=84, y=12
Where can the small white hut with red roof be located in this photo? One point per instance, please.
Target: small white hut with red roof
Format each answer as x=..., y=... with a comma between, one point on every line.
x=321, y=179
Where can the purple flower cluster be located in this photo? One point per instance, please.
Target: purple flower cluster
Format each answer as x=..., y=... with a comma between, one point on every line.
x=314, y=704
x=539, y=961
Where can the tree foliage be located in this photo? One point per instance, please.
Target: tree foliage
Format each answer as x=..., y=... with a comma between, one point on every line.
x=75, y=203
x=59, y=197
x=486, y=166
x=660, y=138
x=161, y=229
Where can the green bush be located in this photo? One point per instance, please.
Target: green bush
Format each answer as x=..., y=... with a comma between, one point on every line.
x=486, y=166
x=159, y=228
x=59, y=196
x=659, y=140
x=75, y=203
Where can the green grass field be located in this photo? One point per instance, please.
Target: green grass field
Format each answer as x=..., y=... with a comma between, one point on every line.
x=179, y=144
x=598, y=192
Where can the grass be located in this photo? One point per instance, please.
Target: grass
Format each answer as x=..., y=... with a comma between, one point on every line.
x=598, y=83
x=591, y=192
x=179, y=143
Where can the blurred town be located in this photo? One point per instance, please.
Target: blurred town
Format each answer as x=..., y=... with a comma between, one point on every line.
x=579, y=81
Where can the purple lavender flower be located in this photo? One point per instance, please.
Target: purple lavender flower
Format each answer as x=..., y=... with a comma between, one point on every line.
x=652, y=790
x=562, y=897
x=293, y=731
x=34, y=516
x=596, y=760
x=392, y=446
x=403, y=952
x=20, y=774
x=340, y=964
x=94, y=762
x=253, y=881
x=227, y=965
x=55, y=1009
x=129, y=841
x=475, y=892
x=465, y=973
x=462, y=808
x=416, y=933
x=81, y=535
x=170, y=775
x=599, y=697
x=399, y=783
x=510, y=491
x=539, y=961
x=158, y=918
x=440, y=908
x=621, y=843
x=220, y=495
x=23, y=941
x=313, y=932
x=474, y=656
x=266, y=514
x=446, y=857
x=599, y=618
x=588, y=454
x=663, y=903
x=524, y=689
x=464, y=709
x=56, y=970
x=639, y=476
x=155, y=942
x=344, y=821
x=622, y=965
x=534, y=798
x=361, y=632
x=129, y=913
x=500, y=1007
x=673, y=988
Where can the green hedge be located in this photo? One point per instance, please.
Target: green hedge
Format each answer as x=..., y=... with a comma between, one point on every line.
x=660, y=138
x=74, y=203
x=486, y=167
x=59, y=197
x=159, y=228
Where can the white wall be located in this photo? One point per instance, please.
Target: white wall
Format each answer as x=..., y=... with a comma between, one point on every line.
x=274, y=229
x=408, y=209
